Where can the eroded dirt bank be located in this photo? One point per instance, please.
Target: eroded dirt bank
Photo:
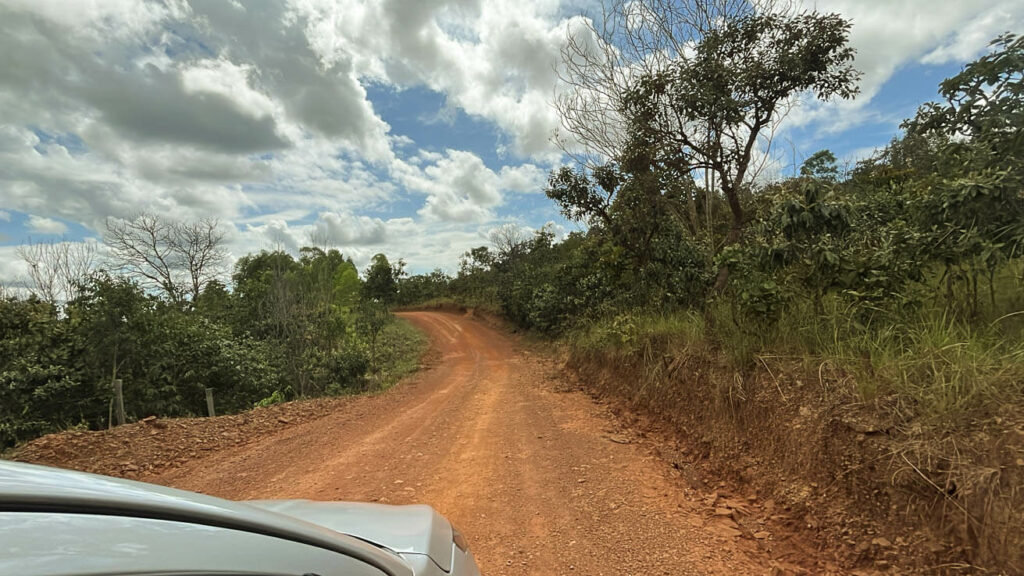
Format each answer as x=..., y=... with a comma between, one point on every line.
x=542, y=479
x=883, y=492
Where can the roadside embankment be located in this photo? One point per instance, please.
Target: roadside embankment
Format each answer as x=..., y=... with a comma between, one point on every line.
x=891, y=490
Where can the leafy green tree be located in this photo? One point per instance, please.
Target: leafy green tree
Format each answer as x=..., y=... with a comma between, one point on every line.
x=183, y=354
x=476, y=260
x=307, y=309
x=473, y=282
x=806, y=237
x=381, y=282
x=329, y=294
x=111, y=317
x=583, y=198
x=42, y=388
x=215, y=303
x=971, y=202
x=706, y=112
x=821, y=165
x=709, y=82
x=984, y=105
x=165, y=356
x=423, y=287
x=373, y=318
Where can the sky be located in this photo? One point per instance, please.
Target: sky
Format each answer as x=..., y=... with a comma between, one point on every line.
x=409, y=127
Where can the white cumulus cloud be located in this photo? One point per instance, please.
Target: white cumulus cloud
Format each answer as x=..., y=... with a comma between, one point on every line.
x=41, y=225
x=260, y=113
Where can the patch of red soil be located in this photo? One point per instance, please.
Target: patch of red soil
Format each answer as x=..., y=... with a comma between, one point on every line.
x=155, y=445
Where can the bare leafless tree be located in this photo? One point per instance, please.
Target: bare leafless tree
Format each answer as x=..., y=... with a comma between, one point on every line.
x=320, y=238
x=177, y=258
x=141, y=247
x=603, y=57
x=56, y=270
x=509, y=239
x=200, y=246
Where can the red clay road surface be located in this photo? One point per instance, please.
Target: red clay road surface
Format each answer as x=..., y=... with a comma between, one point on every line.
x=540, y=480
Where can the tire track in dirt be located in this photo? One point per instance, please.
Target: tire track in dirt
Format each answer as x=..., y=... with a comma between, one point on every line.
x=528, y=472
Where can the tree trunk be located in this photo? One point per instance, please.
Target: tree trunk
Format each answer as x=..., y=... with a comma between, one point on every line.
x=735, y=233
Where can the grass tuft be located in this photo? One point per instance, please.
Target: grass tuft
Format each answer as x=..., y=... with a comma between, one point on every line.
x=400, y=348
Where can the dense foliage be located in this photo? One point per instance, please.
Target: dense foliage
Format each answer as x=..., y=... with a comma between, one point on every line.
x=290, y=327
x=906, y=269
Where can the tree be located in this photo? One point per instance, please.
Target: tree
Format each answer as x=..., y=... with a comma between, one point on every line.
x=41, y=385
x=984, y=103
x=692, y=88
x=707, y=113
x=381, y=283
x=58, y=269
x=307, y=309
x=215, y=303
x=166, y=356
x=509, y=240
x=471, y=283
x=176, y=258
x=421, y=288
x=510, y=243
x=971, y=203
x=476, y=260
x=373, y=318
x=821, y=165
x=582, y=197
x=603, y=57
x=266, y=302
x=328, y=294
x=112, y=318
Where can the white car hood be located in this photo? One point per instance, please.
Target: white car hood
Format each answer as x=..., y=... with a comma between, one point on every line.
x=30, y=488
x=413, y=529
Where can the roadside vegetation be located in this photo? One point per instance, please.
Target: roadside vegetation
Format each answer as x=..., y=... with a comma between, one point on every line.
x=903, y=271
x=895, y=284
x=153, y=315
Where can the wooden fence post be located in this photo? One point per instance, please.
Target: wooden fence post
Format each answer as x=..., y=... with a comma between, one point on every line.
x=209, y=402
x=119, y=401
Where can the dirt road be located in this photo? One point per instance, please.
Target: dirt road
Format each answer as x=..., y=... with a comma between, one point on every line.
x=541, y=480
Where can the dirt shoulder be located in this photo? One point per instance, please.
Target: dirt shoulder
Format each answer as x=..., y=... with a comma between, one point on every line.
x=153, y=446
x=542, y=478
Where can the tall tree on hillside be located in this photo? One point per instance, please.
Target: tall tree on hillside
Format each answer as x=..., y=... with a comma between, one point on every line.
x=176, y=258
x=669, y=90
